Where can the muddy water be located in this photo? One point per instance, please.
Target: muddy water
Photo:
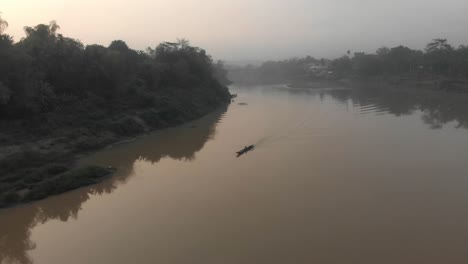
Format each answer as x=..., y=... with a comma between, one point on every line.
x=338, y=176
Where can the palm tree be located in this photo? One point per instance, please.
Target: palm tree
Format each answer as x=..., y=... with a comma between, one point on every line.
x=183, y=43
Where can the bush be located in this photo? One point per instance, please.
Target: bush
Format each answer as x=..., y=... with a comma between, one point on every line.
x=10, y=198
x=89, y=143
x=127, y=127
x=152, y=119
x=28, y=159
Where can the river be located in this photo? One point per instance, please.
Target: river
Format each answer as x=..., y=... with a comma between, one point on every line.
x=337, y=176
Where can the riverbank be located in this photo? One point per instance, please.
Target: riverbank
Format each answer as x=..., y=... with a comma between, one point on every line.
x=440, y=84
x=38, y=155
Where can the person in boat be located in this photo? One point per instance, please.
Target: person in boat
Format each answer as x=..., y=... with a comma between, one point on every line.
x=245, y=150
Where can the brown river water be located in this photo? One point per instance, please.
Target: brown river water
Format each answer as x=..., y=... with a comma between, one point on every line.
x=338, y=176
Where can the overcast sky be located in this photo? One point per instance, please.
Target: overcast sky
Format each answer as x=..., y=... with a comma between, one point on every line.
x=250, y=29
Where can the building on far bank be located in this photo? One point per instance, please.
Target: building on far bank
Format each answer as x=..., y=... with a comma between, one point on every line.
x=319, y=69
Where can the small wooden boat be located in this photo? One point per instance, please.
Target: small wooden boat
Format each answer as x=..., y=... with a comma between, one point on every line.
x=245, y=150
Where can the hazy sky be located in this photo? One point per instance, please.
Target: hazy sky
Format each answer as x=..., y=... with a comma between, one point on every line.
x=250, y=29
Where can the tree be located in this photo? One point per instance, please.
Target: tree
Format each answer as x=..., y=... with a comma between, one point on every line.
x=438, y=45
x=119, y=45
x=366, y=64
x=39, y=39
x=5, y=94
x=53, y=27
x=439, y=56
x=399, y=60
x=183, y=43
x=461, y=61
x=3, y=24
x=383, y=52
x=342, y=65
x=6, y=43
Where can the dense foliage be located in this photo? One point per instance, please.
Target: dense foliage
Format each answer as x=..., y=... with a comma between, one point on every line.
x=438, y=60
x=45, y=71
x=59, y=98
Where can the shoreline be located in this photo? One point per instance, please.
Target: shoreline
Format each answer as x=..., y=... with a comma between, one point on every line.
x=36, y=169
x=437, y=84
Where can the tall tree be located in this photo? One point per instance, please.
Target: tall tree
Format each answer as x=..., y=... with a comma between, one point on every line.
x=3, y=24
x=183, y=43
x=439, y=54
x=438, y=44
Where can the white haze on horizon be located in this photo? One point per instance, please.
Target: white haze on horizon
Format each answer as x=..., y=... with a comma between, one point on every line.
x=241, y=30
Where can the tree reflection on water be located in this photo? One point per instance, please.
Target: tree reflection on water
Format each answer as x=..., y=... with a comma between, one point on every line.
x=179, y=143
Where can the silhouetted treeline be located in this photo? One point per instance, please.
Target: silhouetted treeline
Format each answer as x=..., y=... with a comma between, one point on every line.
x=46, y=70
x=438, y=60
x=59, y=98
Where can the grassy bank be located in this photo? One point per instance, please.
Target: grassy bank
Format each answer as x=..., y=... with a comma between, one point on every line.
x=38, y=158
